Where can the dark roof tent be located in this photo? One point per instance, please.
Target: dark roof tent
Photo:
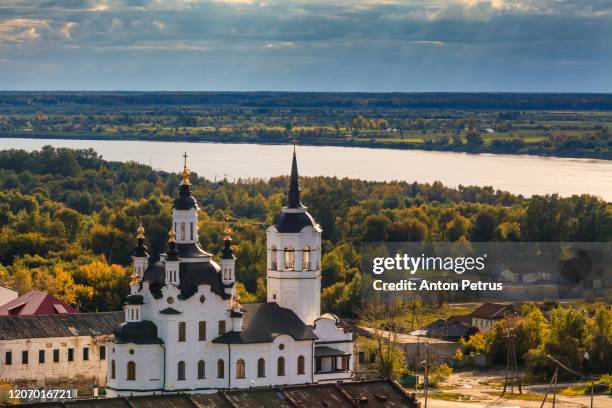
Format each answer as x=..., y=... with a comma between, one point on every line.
x=191, y=274
x=293, y=222
x=144, y=332
x=263, y=322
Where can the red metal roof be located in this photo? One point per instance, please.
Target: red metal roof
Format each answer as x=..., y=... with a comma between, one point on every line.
x=36, y=302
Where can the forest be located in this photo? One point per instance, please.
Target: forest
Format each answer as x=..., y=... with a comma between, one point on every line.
x=68, y=222
x=564, y=125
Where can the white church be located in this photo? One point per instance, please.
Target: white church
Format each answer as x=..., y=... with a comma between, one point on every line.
x=186, y=331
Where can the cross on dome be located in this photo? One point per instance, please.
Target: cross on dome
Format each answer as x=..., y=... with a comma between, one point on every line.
x=185, y=173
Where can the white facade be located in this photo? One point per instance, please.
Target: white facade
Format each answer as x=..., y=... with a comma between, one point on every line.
x=294, y=269
x=186, y=331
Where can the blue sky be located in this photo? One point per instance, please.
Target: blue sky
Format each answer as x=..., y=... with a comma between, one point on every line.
x=296, y=45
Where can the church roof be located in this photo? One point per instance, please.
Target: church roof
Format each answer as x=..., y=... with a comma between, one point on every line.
x=36, y=302
x=293, y=197
x=59, y=325
x=263, y=322
x=191, y=251
x=144, y=332
x=293, y=222
x=191, y=274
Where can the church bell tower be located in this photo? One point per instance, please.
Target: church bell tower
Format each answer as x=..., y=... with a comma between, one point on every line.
x=294, y=256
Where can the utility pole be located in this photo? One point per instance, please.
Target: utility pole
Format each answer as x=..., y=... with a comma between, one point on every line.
x=512, y=370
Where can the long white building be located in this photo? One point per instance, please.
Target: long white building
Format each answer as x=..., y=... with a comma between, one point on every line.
x=185, y=329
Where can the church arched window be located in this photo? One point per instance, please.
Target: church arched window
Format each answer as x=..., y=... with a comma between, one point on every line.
x=280, y=366
x=180, y=371
x=273, y=258
x=306, y=258
x=220, y=369
x=131, y=371
x=300, y=365
x=240, y=369
x=182, y=231
x=261, y=368
x=113, y=369
x=289, y=258
x=201, y=370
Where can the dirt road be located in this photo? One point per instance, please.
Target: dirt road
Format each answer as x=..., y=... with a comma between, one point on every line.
x=481, y=390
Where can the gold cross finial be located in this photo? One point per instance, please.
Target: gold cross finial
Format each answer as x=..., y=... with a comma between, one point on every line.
x=185, y=173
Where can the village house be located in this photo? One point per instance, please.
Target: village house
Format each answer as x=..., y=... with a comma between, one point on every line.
x=67, y=350
x=35, y=302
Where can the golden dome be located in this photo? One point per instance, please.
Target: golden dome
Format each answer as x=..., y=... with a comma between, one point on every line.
x=172, y=235
x=140, y=232
x=185, y=177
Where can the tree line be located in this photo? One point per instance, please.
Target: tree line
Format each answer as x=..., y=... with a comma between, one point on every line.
x=68, y=220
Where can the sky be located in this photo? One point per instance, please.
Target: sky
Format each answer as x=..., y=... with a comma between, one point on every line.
x=299, y=45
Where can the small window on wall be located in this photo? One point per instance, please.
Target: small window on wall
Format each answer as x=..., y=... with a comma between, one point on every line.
x=220, y=369
x=182, y=331
x=191, y=231
x=289, y=258
x=102, y=352
x=201, y=370
x=306, y=258
x=41, y=356
x=300, y=365
x=56, y=356
x=273, y=258
x=24, y=357
x=182, y=231
x=222, y=327
x=70, y=354
x=112, y=374
x=261, y=368
x=240, y=369
x=8, y=358
x=181, y=371
x=131, y=371
x=280, y=366
x=85, y=353
x=202, y=331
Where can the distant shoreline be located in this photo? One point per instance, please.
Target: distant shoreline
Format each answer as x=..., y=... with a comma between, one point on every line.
x=363, y=143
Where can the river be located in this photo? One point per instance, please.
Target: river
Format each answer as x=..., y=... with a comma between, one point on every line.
x=525, y=175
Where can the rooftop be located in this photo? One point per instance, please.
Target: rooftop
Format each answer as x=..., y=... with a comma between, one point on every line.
x=35, y=302
x=373, y=394
x=59, y=325
x=262, y=322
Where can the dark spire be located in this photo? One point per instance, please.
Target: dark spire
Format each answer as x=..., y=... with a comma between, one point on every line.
x=294, y=185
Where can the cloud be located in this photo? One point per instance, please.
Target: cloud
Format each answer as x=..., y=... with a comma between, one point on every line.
x=21, y=30
x=360, y=43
